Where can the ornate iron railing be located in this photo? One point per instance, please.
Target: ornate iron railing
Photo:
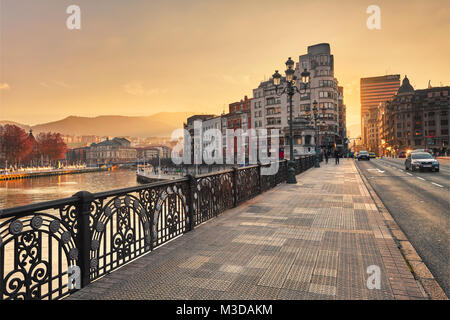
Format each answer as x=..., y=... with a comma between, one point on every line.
x=98, y=233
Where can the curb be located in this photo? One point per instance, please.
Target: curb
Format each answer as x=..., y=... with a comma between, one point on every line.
x=420, y=271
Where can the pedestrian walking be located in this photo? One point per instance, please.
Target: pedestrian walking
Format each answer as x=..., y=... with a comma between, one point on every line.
x=336, y=156
x=326, y=156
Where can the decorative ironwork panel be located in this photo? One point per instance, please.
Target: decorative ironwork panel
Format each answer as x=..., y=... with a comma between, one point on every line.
x=120, y=232
x=212, y=195
x=248, y=183
x=170, y=216
x=36, y=250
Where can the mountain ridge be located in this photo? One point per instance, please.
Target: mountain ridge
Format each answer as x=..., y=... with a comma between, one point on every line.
x=160, y=124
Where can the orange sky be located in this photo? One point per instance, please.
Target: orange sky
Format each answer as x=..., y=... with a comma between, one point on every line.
x=141, y=57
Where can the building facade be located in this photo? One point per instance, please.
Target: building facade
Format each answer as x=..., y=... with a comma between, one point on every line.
x=191, y=134
x=373, y=91
x=109, y=152
x=239, y=117
x=77, y=155
x=342, y=114
x=416, y=119
x=151, y=152
x=272, y=112
x=304, y=137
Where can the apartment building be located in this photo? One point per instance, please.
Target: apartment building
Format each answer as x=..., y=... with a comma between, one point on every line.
x=271, y=111
x=417, y=119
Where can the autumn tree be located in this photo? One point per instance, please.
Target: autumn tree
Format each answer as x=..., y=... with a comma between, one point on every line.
x=15, y=144
x=51, y=146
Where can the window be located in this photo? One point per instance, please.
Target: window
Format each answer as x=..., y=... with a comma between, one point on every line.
x=326, y=94
x=305, y=107
x=304, y=96
x=444, y=122
x=271, y=101
x=308, y=139
x=326, y=83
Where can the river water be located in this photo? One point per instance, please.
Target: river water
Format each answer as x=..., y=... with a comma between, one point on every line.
x=26, y=191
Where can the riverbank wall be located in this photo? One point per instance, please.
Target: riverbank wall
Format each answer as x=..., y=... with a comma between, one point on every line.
x=27, y=175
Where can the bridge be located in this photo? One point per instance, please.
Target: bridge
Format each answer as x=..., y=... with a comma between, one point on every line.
x=233, y=234
x=98, y=233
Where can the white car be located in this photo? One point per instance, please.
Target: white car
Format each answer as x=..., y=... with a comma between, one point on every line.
x=421, y=160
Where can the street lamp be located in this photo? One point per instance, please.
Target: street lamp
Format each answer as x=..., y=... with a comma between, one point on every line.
x=316, y=117
x=290, y=89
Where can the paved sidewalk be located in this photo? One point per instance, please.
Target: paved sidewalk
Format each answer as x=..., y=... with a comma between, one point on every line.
x=313, y=240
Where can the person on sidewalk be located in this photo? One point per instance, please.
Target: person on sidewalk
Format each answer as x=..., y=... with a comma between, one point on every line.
x=326, y=156
x=336, y=156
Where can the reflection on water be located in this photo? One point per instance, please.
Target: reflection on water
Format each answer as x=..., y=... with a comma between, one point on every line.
x=22, y=192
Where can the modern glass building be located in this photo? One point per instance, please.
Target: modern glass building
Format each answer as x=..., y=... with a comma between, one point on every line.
x=376, y=90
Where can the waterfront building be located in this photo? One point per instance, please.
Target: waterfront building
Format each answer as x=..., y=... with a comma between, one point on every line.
x=238, y=117
x=272, y=112
x=77, y=155
x=111, y=151
x=151, y=152
x=189, y=130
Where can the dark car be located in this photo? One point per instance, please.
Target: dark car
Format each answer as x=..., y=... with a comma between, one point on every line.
x=420, y=161
x=363, y=155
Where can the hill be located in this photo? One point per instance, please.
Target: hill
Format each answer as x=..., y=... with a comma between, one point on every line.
x=157, y=125
x=20, y=125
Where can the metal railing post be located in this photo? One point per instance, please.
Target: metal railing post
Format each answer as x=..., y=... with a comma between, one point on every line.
x=260, y=179
x=235, y=188
x=83, y=238
x=191, y=200
x=286, y=165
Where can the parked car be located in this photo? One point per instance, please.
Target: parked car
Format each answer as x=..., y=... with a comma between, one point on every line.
x=372, y=155
x=420, y=161
x=363, y=155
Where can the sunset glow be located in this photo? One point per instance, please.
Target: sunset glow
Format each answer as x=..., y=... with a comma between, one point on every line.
x=142, y=57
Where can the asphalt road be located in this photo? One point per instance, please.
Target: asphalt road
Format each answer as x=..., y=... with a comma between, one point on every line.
x=420, y=204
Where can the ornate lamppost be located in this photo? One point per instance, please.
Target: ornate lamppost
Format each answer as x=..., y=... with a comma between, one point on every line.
x=316, y=138
x=290, y=89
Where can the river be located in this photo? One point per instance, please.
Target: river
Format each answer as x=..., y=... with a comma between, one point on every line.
x=27, y=191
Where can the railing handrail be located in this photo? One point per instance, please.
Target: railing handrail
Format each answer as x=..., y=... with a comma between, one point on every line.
x=116, y=192
x=23, y=210
x=209, y=174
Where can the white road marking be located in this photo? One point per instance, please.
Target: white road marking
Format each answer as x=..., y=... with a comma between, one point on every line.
x=420, y=178
x=409, y=173
x=437, y=185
